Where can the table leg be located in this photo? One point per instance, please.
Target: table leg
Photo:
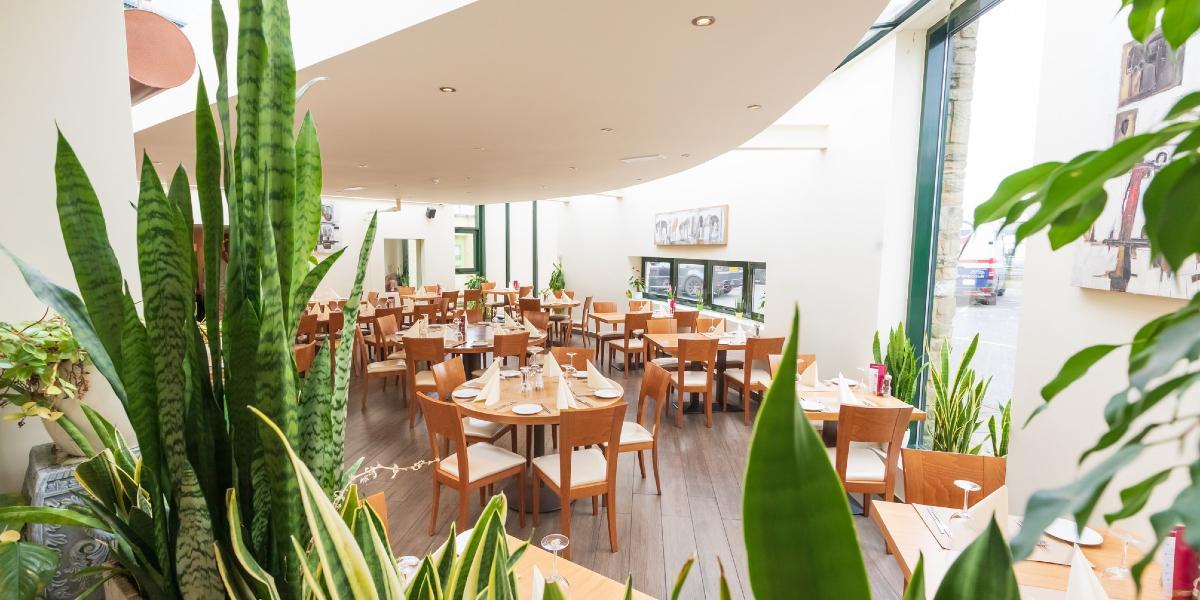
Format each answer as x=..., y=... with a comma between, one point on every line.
x=550, y=501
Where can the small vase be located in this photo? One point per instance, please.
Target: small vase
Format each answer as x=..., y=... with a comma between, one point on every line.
x=672, y=305
x=638, y=295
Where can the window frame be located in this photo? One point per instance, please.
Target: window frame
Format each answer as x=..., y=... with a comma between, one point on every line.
x=747, y=268
x=479, y=244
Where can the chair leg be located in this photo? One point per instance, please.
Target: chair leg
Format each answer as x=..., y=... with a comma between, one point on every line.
x=612, y=518
x=866, y=505
x=642, y=463
x=437, y=496
x=482, y=495
x=628, y=355
x=521, y=497
x=529, y=447
x=537, y=496
x=365, y=384
x=708, y=406
x=554, y=435
x=595, y=505
x=463, y=506
x=679, y=413
x=513, y=431
x=566, y=525
x=654, y=460
x=745, y=405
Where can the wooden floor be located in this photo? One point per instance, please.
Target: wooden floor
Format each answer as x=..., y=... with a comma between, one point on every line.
x=699, y=512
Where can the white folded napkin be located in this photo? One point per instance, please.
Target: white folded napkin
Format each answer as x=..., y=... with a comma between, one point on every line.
x=508, y=321
x=564, y=399
x=533, y=331
x=994, y=506
x=845, y=396
x=1082, y=583
x=490, y=373
x=810, y=376
x=595, y=380
x=551, y=368
x=490, y=394
x=539, y=584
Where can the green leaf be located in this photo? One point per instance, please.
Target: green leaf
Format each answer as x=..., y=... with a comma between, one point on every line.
x=1180, y=20
x=308, y=285
x=1076, y=221
x=320, y=451
x=1134, y=497
x=341, y=367
x=916, y=583
x=262, y=581
x=1183, y=105
x=308, y=196
x=983, y=570
x=1172, y=221
x=1143, y=18
x=1184, y=510
x=25, y=569
x=681, y=578
x=1076, y=367
x=15, y=516
x=208, y=190
x=1175, y=342
x=1013, y=191
x=779, y=512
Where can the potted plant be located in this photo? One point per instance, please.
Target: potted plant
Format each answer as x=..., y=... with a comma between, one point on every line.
x=42, y=369
x=475, y=282
x=558, y=281
x=671, y=298
x=740, y=309
x=902, y=363
x=637, y=285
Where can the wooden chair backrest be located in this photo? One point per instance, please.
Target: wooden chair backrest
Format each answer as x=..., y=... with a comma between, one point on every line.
x=372, y=297
x=385, y=327
x=308, y=327
x=470, y=296
x=450, y=297
x=539, y=319
x=448, y=375
x=604, y=307
x=686, y=320
x=635, y=321
x=444, y=310
x=803, y=362
x=424, y=349
x=427, y=310
x=431, y=288
x=405, y=291
x=877, y=425
x=511, y=344
x=337, y=321
x=654, y=387
x=761, y=349
x=305, y=353
x=488, y=285
x=336, y=304
x=929, y=476
x=639, y=305
x=693, y=350
x=582, y=356
x=530, y=304
x=662, y=325
x=703, y=324
x=585, y=428
x=378, y=503
x=442, y=419
x=524, y=290
x=474, y=315
x=587, y=308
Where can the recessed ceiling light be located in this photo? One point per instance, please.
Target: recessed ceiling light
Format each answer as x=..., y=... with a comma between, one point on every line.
x=362, y=165
x=354, y=188
x=543, y=187
x=606, y=129
x=638, y=179
x=704, y=21
x=479, y=148
x=643, y=158
x=685, y=155
x=754, y=106
x=571, y=168
x=447, y=89
x=435, y=181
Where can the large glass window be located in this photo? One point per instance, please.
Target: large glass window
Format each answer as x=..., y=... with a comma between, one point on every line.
x=658, y=277
x=689, y=281
x=758, y=289
x=719, y=285
x=468, y=242
x=726, y=286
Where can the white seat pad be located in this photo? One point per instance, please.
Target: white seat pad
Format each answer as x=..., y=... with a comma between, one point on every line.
x=862, y=463
x=480, y=428
x=669, y=362
x=757, y=376
x=630, y=345
x=425, y=378
x=634, y=433
x=693, y=378
x=485, y=460
x=385, y=366
x=587, y=466
x=396, y=355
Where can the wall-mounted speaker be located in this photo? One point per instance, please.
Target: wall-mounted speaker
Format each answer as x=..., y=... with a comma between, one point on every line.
x=430, y=213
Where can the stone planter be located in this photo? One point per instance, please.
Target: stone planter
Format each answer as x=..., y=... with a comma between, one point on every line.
x=61, y=440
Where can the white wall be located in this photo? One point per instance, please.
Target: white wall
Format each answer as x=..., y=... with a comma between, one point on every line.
x=1077, y=111
x=437, y=249
x=79, y=81
x=833, y=225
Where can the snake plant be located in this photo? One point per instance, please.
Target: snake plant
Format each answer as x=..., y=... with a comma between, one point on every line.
x=902, y=361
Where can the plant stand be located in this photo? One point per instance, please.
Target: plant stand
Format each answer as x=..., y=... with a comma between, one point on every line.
x=50, y=481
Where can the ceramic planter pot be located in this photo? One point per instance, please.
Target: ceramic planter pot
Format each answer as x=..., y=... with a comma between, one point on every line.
x=638, y=295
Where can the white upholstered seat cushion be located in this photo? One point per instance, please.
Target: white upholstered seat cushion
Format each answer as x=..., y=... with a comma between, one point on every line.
x=485, y=460
x=632, y=345
x=425, y=378
x=397, y=355
x=386, y=366
x=862, y=463
x=634, y=433
x=757, y=376
x=670, y=362
x=587, y=467
x=479, y=428
x=692, y=378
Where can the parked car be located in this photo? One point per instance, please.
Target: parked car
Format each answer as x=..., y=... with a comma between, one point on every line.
x=984, y=265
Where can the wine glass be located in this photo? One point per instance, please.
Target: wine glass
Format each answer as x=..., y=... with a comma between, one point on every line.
x=407, y=565
x=1121, y=572
x=569, y=369
x=556, y=542
x=526, y=384
x=967, y=487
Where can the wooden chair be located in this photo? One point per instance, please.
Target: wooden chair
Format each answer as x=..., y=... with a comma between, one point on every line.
x=629, y=345
x=755, y=378
x=382, y=342
x=529, y=304
x=337, y=305
x=305, y=353
x=662, y=325
x=372, y=297
x=707, y=324
x=803, y=362
x=583, y=473
x=429, y=310
x=405, y=291
x=506, y=346
x=522, y=292
x=450, y=374
x=431, y=288
x=639, y=306
x=560, y=318
x=307, y=331
x=476, y=466
x=583, y=354
x=472, y=298
x=428, y=350
x=383, y=369
x=860, y=467
x=603, y=337
x=450, y=300
x=929, y=476
x=583, y=325
x=635, y=436
x=686, y=320
x=685, y=381
x=538, y=319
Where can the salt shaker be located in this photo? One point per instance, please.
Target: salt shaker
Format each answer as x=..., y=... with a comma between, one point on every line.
x=886, y=389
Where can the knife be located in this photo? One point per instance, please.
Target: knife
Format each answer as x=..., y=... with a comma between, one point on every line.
x=938, y=521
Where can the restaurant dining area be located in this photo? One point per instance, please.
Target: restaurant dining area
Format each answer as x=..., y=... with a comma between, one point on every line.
x=468, y=299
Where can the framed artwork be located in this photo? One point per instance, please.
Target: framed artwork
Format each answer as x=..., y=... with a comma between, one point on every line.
x=328, y=237
x=1126, y=122
x=1147, y=69
x=707, y=226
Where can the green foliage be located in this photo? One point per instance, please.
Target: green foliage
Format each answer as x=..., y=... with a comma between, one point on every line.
x=25, y=569
x=476, y=281
x=999, y=434
x=41, y=363
x=636, y=282
x=558, y=281
x=902, y=361
x=956, y=402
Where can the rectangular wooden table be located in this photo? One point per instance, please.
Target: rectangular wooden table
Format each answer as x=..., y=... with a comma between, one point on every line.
x=907, y=538
x=669, y=343
x=584, y=583
x=829, y=398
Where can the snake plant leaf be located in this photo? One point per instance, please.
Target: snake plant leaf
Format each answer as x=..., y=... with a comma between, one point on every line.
x=317, y=445
x=95, y=265
x=99, y=481
x=628, y=595
x=110, y=437
x=142, y=407
x=194, y=563
x=792, y=493
x=278, y=107
x=1078, y=498
x=252, y=56
x=681, y=578
x=916, y=583
x=262, y=581
x=444, y=559
x=135, y=557
x=343, y=567
x=341, y=367
x=308, y=285
x=312, y=584
x=76, y=434
x=723, y=585
x=25, y=569
x=208, y=190
x=371, y=537
x=235, y=585
x=308, y=194
x=1075, y=367
x=424, y=583
x=70, y=307
x=553, y=592
x=17, y=516
x=983, y=570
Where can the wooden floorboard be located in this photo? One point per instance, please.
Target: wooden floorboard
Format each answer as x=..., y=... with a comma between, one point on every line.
x=698, y=513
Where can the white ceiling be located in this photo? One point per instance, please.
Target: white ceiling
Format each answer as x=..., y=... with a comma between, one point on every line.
x=537, y=82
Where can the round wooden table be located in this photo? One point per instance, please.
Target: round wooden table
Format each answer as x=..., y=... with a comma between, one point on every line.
x=511, y=395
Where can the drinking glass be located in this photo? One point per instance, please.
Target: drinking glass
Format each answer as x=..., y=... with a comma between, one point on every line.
x=556, y=542
x=407, y=565
x=967, y=487
x=569, y=369
x=526, y=384
x=1122, y=572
